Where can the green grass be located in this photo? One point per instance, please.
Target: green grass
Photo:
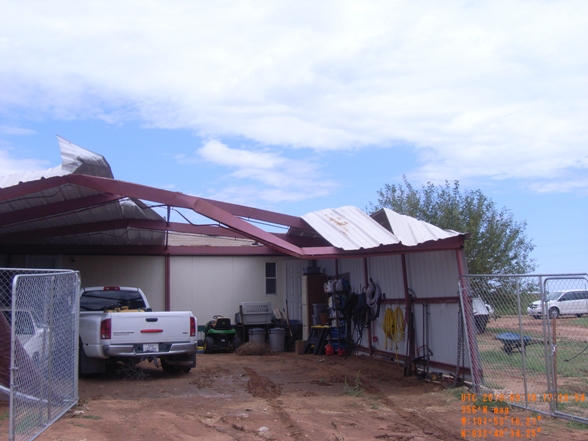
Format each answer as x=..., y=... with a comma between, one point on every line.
x=91, y=417
x=499, y=330
x=580, y=322
x=496, y=361
x=570, y=360
x=355, y=389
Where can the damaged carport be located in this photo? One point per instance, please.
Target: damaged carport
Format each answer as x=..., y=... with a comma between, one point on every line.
x=79, y=209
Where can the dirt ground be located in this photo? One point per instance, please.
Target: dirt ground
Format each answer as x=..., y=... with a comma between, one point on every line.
x=286, y=396
x=565, y=327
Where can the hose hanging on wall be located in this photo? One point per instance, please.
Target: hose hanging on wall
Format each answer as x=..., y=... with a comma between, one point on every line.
x=373, y=293
x=393, y=327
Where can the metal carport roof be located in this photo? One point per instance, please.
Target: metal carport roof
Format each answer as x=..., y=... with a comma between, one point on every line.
x=79, y=207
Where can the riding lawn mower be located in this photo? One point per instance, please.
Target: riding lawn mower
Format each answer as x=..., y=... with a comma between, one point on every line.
x=220, y=335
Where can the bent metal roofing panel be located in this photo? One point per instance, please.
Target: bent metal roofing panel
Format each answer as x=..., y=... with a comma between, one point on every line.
x=349, y=228
x=411, y=231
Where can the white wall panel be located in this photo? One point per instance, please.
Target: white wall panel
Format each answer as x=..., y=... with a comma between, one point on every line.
x=353, y=267
x=327, y=265
x=145, y=272
x=213, y=285
x=433, y=274
x=386, y=271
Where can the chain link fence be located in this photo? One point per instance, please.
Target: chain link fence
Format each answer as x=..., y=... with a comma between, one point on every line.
x=38, y=347
x=531, y=341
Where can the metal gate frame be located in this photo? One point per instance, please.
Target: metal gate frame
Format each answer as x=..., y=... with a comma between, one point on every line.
x=44, y=311
x=531, y=348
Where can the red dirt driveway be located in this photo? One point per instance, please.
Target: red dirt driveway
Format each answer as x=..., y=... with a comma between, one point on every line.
x=286, y=396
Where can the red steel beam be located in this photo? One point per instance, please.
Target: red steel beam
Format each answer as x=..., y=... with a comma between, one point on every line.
x=143, y=250
x=176, y=199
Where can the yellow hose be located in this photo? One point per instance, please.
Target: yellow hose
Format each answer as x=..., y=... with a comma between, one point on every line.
x=393, y=327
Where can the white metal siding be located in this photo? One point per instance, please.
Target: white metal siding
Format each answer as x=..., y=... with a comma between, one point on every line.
x=146, y=272
x=387, y=272
x=430, y=275
x=210, y=286
x=433, y=274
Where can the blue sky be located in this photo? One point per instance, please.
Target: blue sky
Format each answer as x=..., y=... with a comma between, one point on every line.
x=296, y=106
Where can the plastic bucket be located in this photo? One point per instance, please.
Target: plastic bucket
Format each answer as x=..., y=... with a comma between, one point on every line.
x=257, y=335
x=276, y=339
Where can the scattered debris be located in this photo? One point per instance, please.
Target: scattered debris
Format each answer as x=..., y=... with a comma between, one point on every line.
x=253, y=348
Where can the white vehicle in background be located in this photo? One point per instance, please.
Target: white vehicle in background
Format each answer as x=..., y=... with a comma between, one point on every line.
x=482, y=313
x=32, y=335
x=557, y=303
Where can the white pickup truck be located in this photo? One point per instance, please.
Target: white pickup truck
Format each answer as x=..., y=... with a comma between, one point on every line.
x=117, y=324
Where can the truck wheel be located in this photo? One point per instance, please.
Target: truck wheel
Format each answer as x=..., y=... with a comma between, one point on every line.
x=236, y=343
x=553, y=313
x=173, y=370
x=208, y=345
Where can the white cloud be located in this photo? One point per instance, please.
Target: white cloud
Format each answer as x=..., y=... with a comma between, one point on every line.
x=10, y=165
x=264, y=175
x=493, y=89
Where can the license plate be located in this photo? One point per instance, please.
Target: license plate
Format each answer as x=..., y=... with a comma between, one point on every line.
x=151, y=348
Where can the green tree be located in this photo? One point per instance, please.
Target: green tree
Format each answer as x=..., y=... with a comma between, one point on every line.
x=498, y=243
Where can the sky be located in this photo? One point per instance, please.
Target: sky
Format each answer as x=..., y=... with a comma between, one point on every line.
x=297, y=106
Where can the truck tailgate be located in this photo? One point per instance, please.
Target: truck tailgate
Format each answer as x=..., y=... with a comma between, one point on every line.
x=150, y=327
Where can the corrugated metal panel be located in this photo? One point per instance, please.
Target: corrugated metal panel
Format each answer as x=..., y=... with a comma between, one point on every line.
x=410, y=231
x=76, y=160
x=349, y=228
x=26, y=176
x=433, y=274
x=430, y=275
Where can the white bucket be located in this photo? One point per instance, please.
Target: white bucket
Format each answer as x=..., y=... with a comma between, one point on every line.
x=277, y=337
x=257, y=335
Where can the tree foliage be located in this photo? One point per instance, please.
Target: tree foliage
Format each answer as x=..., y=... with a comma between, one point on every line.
x=498, y=243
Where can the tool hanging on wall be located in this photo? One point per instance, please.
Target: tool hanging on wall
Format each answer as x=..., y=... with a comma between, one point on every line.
x=426, y=354
x=393, y=327
x=408, y=367
x=373, y=296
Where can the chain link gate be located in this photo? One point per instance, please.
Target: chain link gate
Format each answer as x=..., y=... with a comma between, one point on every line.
x=530, y=340
x=38, y=332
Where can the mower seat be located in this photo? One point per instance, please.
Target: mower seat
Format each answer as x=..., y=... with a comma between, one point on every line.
x=221, y=323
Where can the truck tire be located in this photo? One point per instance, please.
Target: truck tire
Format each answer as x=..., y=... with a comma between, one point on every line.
x=88, y=365
x=174, y=370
